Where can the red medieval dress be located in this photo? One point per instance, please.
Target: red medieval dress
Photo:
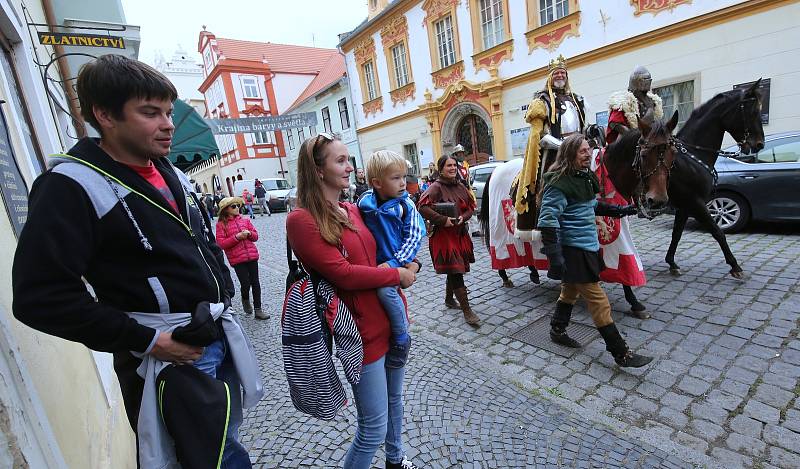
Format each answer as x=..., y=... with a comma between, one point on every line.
x=450, y=246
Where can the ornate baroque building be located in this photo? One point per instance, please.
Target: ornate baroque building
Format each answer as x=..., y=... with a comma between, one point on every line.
x=428, y=75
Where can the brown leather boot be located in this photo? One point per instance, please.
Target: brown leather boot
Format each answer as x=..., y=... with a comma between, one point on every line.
x=469, y=316
x=448, y=298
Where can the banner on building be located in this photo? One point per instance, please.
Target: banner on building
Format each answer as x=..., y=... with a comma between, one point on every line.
x=601, y=119
x=763, y=88
x=262, y=124
x=77, y=39
x=519, y=140
x=12, y=185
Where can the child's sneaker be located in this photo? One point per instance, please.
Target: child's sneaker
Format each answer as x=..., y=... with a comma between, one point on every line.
x=397, y=356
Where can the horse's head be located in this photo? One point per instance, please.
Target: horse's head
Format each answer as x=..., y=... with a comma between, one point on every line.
x=743, y=119
x=596, y=136
x=655, y=156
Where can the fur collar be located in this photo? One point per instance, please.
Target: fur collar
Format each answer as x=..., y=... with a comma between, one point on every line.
x=626, y=102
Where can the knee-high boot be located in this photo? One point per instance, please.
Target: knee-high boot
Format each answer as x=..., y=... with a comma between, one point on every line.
x=615, y=344
x=559, y=323
x=469, y=316
x=449, y=301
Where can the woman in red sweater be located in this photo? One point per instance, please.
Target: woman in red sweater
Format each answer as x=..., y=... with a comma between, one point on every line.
x=237, y=236
x=330, y=238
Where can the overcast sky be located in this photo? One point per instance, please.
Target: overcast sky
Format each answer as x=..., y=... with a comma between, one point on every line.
x=167, y=23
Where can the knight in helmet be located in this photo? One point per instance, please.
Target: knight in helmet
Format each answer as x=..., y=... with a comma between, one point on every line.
x=622, y=262
x=638, y=102
x=553, y=114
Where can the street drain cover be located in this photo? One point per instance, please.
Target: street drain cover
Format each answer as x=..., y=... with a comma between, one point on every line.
x=709, y=300
x=537, y=334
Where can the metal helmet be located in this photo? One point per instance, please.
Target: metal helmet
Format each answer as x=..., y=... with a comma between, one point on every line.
x=458, y=148
x=640, y=79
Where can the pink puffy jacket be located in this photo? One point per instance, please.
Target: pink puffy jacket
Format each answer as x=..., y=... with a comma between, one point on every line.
x=237, y=251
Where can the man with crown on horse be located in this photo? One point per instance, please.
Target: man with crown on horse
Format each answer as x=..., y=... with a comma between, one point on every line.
x=554, y=113
x=622, y=262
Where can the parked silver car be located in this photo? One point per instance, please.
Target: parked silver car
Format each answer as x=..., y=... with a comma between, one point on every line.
x=763, y=186
x=478, y=175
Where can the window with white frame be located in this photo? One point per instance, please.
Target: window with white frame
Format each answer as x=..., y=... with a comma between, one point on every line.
x=312, y=130
x=326, y=119
x=343, y=115
x=551, y=10
x=301, y=135
x=250, y=87
x=369, y=81
x=263, y=138
x=400, y=65
x=444, y=41
x=678, y=96
x=491, y=22
x=290, y=138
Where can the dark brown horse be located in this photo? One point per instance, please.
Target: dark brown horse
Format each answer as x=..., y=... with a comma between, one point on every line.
x=692, y=177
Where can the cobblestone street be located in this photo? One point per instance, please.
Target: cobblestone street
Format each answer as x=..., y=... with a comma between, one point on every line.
x=721, y=392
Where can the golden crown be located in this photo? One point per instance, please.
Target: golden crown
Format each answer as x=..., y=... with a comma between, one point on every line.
x=558, y=62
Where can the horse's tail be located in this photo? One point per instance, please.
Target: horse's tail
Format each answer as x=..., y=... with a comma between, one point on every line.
x=485, y=212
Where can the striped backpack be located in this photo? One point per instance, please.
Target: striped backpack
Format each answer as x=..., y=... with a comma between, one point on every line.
x=313, y=320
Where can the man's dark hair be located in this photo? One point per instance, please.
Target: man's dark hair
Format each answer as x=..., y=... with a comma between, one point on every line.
x=111, y=80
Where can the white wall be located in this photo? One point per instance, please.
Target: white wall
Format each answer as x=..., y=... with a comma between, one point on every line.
x=288, y=87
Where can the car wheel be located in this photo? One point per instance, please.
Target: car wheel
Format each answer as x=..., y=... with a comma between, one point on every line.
x=729, y=211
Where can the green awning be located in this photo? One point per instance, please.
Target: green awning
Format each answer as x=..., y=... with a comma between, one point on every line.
x=192, y=141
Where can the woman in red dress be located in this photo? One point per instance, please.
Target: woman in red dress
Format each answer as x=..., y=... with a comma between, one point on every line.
x=448, y=205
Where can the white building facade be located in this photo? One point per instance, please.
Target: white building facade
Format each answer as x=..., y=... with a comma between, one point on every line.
x=427, y=75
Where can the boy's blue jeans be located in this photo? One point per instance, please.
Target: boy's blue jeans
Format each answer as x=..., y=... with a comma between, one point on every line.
x=395, y=309
x=217, y=362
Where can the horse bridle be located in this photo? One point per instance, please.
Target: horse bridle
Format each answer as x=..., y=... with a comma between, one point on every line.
x=636, y=165
x=739, y=143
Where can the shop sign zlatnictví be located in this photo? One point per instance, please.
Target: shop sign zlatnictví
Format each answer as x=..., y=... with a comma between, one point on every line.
x=85, y=40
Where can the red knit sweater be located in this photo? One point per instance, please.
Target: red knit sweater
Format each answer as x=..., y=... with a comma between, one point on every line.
x=355, y=277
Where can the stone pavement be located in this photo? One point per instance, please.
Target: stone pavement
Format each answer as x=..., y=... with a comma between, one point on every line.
x=722, y=391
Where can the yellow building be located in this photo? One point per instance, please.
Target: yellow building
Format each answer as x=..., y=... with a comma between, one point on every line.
x=428, y=75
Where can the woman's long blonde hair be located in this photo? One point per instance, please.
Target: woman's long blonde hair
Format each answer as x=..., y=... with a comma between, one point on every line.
x=310, y=193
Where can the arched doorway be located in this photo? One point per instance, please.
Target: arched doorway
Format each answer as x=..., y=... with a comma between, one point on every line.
x=469, y=125
x=473, y=134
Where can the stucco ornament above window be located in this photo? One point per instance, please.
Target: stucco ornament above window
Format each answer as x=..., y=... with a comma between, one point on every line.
x=394, y=31
x=364, y=50
x=435, y=8
x=656, y=6
x=551, y=35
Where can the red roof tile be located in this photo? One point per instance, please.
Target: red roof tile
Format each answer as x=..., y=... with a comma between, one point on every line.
x=333, y=70
x=282, y=58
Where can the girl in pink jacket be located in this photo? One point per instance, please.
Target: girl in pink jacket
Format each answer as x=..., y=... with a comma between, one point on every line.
x=237, y=236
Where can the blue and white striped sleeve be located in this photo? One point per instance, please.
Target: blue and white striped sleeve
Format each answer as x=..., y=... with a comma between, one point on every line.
x=413, y=232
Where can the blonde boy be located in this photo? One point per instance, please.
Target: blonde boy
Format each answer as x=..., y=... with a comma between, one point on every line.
x=398, y=230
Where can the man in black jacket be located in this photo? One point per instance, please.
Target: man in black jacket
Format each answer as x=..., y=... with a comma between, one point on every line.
x=115, y=213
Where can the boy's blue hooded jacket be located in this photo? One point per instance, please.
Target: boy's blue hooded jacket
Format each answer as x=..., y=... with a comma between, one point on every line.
x=396, y=225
